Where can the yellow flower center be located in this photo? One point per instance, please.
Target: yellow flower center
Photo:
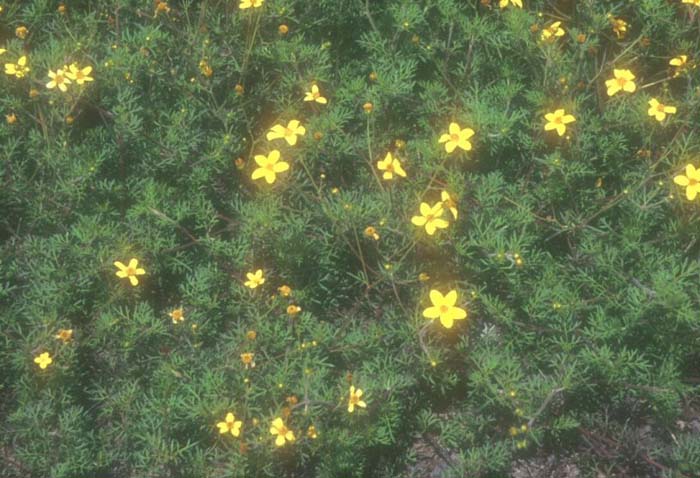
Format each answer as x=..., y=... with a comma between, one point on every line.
x=177, y=314
x=269, y=167
x=454, y=137
x=558, y=119
x=390, y=167
x=693, y=182
x=288, y=132
x=59, y=79
x=621, y=81
x=282, y=430
x=130, y=271
x=316, y=94
x=429, y=217
x=354, y=399
x=444, y=309
x=661, y=108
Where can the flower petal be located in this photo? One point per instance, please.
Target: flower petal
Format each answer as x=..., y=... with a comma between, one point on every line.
x=436, y=298
x=418, y=220
x=681, y=180
x=450, y=299
x=280, y=167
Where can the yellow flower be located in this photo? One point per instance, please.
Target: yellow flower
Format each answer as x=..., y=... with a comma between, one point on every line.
x=21, y=32
x=293, y=310
x=315, y=95
x=283, y=29
x=161, y=7
x=251, y=335
x=619, y=26
x=254, y=280
x=130, y=271
x=230, y=424
x=2, y=51
x=58, y=79
x=11, y=118
x=205, y=69
x=692, y=2
x=660, y=110
x=390, y=166
x=678, y=61
x=285, y=290
x=177, y=315
x=624, y=80
x=443, y=308
x=43, y=360
x=64, y=335
x=449, y=203
x=250, y=3
x=19, y=69
x=311, y=432
x=558, y=120
x=269, y=166
x=552, y=31
x=430, y=218
x=368, y=107
x=248, y=359
x=691, y=181
x=504, y=3
x=283, y=433
x=371, y=232
x=289, y=133
x=354, y=399
x=457, y=137
x=79, y=75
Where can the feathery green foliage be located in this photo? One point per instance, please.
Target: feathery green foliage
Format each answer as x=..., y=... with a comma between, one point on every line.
x=575, y=255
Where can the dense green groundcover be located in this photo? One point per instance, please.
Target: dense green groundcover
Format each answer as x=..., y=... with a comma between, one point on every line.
x=576, y=256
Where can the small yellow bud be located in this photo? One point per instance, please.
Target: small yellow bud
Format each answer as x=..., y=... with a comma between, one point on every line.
x=283, y=29
x=284, y=290
x=21, y=32
x=371, y=232
x=368, y=107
